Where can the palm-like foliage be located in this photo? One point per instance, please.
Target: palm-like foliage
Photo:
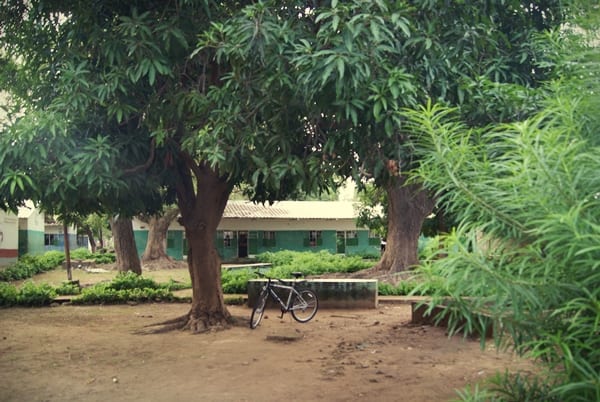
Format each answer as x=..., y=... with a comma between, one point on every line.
x=526, y=255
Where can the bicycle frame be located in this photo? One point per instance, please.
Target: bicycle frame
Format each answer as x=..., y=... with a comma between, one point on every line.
x=285, y=307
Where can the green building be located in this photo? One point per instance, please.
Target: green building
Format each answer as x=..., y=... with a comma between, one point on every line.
x=247, y=229
x=31, y=230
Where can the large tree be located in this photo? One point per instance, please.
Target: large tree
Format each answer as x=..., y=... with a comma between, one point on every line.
x=368, y=60
x=125, y=98
x=120, y=99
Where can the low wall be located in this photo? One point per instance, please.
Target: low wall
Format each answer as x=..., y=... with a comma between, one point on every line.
x=332, y=293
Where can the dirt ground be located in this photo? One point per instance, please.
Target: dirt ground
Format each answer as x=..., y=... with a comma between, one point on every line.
x=70, y=353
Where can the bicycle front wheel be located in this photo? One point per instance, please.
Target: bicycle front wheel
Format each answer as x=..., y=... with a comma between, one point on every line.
x=304, y=305
x=259, y=309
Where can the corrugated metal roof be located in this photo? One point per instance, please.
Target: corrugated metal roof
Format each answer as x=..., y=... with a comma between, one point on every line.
x=292, y=210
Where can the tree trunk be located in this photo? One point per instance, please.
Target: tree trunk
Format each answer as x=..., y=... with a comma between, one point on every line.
x=67, y=252
x=156, y=246
x=125, y=250
x=200, y=216
x=408, y=206
x=91, y=240
x=100, y=239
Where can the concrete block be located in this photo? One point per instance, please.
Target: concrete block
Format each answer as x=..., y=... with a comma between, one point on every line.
x=332, y=293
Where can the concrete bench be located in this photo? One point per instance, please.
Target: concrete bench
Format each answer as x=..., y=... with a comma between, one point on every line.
x=332, y=293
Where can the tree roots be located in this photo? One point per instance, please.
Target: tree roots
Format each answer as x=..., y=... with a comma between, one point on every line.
x=196, y=325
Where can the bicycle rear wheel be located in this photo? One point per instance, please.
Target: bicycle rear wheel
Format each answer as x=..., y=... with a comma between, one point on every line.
x=304, y=305
x=259, y=309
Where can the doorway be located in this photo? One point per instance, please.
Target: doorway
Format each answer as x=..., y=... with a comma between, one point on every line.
x=242, y=244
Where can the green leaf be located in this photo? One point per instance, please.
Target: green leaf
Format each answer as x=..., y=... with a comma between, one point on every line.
x=340, y=67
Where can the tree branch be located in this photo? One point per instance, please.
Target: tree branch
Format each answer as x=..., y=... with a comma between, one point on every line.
x=146, y=165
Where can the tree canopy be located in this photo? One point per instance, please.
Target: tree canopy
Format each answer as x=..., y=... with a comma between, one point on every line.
x=121, y=106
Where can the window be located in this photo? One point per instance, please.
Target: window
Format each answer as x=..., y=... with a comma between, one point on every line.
x=374, y=239
x=351, y=238
x=268, y=238
x=314, y=238
x=227, y=236
x=170, y=239
x=54, y=239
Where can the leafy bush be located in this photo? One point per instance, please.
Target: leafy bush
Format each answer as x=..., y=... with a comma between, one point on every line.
x=130, y=280
x=285, y=262
x=401, y=289
x=105, y=294
x=126, y=287
x=68, y=288
x=526, y=247
x=50, y=260
x=105, y=258
x=81, y=254
x=174, y=285
x=34, y=295
x=236, y=281
x=30, y=265
x=309, y=263
x=8, y=294
x=99, y=257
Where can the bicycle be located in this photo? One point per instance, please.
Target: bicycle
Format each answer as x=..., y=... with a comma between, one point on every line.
x=301, y=303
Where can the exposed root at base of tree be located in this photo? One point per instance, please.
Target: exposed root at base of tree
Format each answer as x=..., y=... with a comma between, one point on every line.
x=195, y=325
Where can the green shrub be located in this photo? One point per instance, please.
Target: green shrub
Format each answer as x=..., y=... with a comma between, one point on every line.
x=16, y=271
x=285, y=262
x=130, y=280
x=50, y=260
x=236, y=281
x=68, y=288
x=105, y=294
x=312, y=263
x=126, y=287
x=8, y=295
x=174, y=285
x=81, y=254
x=30, y=265
x=31, y=294
x=99, y=257
x=105, y=258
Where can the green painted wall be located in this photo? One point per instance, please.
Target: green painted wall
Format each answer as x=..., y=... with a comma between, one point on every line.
x=174, y=243
x=31, y=242
x=295, y=240
x=365, y=245
x=140, y=237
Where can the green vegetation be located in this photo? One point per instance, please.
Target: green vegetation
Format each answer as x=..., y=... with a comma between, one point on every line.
x=67, y=289
x=283, y=263
x=128, y=287
x=98, y=257
x=34, y=295
x=526, y=248
x=286, y=262
x=29, y=294
x=30, y=265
